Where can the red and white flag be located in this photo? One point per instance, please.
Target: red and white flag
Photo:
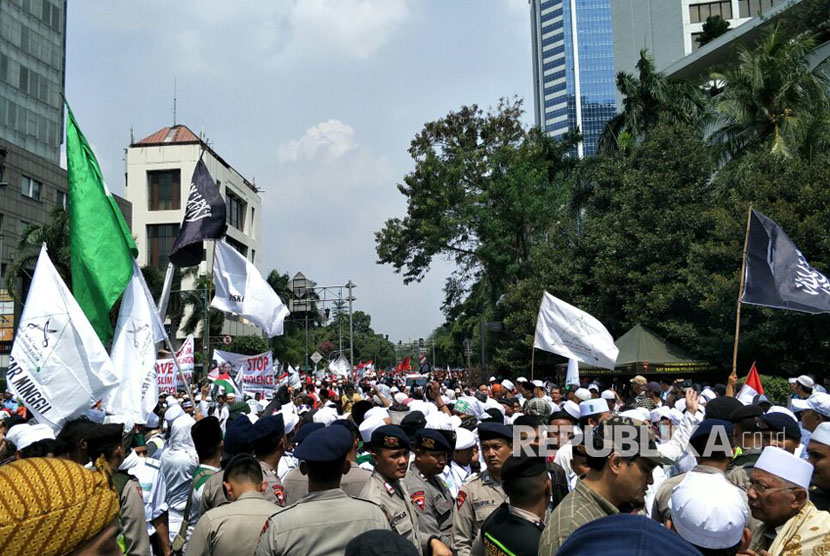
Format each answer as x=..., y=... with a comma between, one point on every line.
x=751, y=387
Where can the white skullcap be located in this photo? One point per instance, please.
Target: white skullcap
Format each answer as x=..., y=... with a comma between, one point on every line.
x=782, y=409
x=583, y=394
x=661, y=412
x=400, y=397
x=34, y=433
x=708, y=394
x=493, y=404
x=538, y=383
x=521, y=379
x=507, y=384
x=455, y=421
x=291, y=420
x=821, y=434
x=451, y=394
x=326, y=416
x=676, y=415
x=593, y=407
x=173, y=412
x=792, y=380
x=708, y=511
x=379, y=411
x=464, y=439
x=571, y=408
x=806, y=381
x=633, y=414
x=593, y=386
x=368, y=426
x=420, y=405
x=785, y=465
x=608, y=395
x=394, y=390
x=152, y=420
x=17, y=432
x=438, y=420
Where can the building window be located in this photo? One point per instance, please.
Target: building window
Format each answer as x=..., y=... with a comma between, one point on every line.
x=164, y=190
x=160, y=239
x=698, y=13
x=22, y=226
x=753, y=8
x=62, y=199
x=4, y=68
x=253, y=222
x=241, y=247
x=236, y=210
x=30, y=188
x=253, y=256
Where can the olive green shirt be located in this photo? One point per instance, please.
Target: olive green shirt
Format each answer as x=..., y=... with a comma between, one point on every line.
x=581, y=506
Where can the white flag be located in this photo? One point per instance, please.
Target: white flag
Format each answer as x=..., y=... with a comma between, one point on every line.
x=573, y=372
x=567, y=331
x=133, y=352
x=340, y=366
x=58, y=366
x=241, y=289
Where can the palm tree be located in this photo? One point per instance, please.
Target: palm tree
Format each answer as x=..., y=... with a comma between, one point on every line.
x=55, y=234
x=647, y=98
x=771, y=100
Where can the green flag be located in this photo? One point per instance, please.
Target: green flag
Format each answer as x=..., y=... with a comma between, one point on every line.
x=101, y=247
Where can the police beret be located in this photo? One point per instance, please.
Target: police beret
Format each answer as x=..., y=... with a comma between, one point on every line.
x=625, y=535
x=522, y=466
x=722, y=407
x=780, y=422
x=349, y=425
x=712, y=426
x=236, y=435
x=306, y=430
x=431, y=439
x=271, y=426
x=414, y=421
x=326, y=444
x=101, y=437
x=745, y=412
x=206, y=432
x=390, y=437
x=492, y=431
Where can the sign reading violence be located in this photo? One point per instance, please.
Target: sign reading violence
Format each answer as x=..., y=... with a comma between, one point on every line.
x=253, y=373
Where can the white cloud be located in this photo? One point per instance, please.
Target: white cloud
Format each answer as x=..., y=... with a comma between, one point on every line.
x=327, y=140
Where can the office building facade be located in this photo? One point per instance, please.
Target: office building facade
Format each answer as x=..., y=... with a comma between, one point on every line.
x=159, y=168
x=573, y=68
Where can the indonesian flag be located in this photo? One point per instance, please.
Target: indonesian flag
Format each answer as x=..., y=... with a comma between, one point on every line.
x=226, y=383
x=751, y=387
x=405, y=366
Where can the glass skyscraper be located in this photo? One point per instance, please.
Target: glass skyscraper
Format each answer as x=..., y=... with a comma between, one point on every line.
x=573, y=68
x=32, y=60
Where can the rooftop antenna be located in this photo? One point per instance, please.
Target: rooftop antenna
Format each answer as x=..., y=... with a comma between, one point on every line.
x=132, y=136
x=174, y=102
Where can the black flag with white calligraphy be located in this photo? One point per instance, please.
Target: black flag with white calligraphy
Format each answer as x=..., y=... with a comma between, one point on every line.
x=778, y=275
x=204, y=218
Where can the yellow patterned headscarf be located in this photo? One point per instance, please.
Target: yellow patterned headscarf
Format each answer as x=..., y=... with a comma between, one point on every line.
x=50, y=506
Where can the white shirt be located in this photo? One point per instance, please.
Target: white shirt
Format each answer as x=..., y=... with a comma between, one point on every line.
x=147, y=472
x=564, y=457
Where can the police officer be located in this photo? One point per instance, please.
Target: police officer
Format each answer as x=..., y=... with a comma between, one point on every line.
x=234, y=528
x=326, y=519
x=516, y=526
x=390, y=453
x=430, y=498
x=482, y=493
x=106, y=441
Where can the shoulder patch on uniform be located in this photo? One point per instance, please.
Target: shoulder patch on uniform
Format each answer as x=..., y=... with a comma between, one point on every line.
x=279, y=492
x=419, y=499
x=389, y=488
x=459, y=500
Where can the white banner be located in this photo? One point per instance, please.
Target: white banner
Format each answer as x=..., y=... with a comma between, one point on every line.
x=133, y=351
x=58, y=366
x=570, y=332
x=168, y=378
x=253, y=373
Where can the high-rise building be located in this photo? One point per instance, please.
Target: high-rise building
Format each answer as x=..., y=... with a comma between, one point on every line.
x=159, y=168
x=32, y=183
x=573, y=68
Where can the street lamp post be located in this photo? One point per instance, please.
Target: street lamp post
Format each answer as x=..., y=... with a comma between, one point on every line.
x=351, y=285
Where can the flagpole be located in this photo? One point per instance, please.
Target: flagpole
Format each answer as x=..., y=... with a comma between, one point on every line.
x=206, y=322
x=532, y=358
x=179, y=369
x=741, y=293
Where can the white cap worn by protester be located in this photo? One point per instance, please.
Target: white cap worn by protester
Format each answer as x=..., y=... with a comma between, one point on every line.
x=708, y=511
x=806, y=381
x=507, y=384
x=583, y=394
x=818, y=402
x=173, y=412
x=572, y=408
x=464, y=439
x=786, y=466
x=521, y=379
x=368, y=426
x=538, y=383
x=821, y=434
x=34, y=433
x=608, y=395
x=782, y=409
x=593, y=407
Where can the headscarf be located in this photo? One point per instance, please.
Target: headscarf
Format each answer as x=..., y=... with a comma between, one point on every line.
x=51, y=506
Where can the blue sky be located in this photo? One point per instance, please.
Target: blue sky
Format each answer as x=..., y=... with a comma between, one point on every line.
x=315, y=99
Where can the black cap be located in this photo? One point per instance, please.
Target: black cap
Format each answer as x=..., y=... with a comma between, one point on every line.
x=305, y=431
x=102, y=437
x=722, y=407
x=745, y=412
x=493, y=415
x=523, y=466
x=780, y=422
x=273, y=425
x=326, y=444
x=390, y=437
x=206, y=432
x=349, y=425
x=412, y=423
x=236, y=436
x=431, y=439
x=711, y=427
x=491, y=431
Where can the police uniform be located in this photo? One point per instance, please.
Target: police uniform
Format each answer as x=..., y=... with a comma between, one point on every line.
x=430, y=498
x=322, y=522
x=393, y=497
x=295, y=483
x=478, y=497
x=213, y=495
x=233, y=528
x=509, y=529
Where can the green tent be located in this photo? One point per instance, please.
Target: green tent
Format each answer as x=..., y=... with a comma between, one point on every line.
x=644, y=352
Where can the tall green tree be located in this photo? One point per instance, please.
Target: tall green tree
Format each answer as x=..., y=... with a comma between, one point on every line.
x=713, y=27
x=771, y=100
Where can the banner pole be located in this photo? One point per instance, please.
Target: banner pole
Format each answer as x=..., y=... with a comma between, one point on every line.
x=741, y=293
x=206, y=308
x=179, y=369
x=532, y=360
